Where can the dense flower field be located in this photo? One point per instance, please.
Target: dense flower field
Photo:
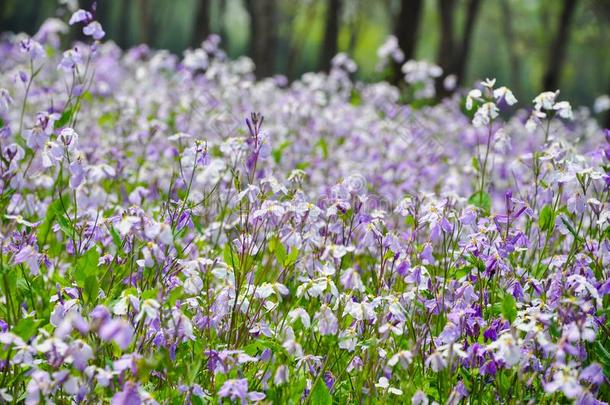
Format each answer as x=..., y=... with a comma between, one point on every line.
x=350, y=243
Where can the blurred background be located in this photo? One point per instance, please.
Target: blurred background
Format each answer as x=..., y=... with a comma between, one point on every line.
x=529, y=45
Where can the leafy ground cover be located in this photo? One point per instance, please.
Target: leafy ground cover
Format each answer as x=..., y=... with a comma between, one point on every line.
x=349, y=244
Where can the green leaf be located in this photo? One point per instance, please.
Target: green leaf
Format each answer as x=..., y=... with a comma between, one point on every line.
x=277, y=248
x=481, y=200
x=65, y=118
x=603, y=356
x=45, y=227
x=572, y=230
x=320, y=394
x=323, y=147
x=356, y=98
x=475, y=163
x=546, y=220
x=230, y=257
x=277, y=152
x=86, y=266
x=410, y=221
x=509, y=308
x=26, y=328
x=65, y=225
x=116, y=238
x=292, y=257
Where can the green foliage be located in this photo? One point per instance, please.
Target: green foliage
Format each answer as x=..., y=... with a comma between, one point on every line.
x=86, y=274
x=546, y=221
x=320, y=394
x=509, y=308
x=481, y=200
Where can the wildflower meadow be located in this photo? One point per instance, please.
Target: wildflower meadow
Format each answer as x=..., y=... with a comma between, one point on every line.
x=175, y=231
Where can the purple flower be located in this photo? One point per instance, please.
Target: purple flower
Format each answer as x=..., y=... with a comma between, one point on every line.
x=94, y=29
x=30, y=256
x=32, y=48
x=79, y=16
x=238, y=389
x=70, y=60
x=329, y=380
x=118, y=330
x=593, y=374
x=128, y=396
x=77, y=174
x=327, y=321
x=419, y=398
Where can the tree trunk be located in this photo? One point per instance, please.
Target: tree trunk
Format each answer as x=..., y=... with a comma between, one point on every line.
x=222, y=8
x=123, y=35
x=201, y=25
x=262, y=36
x=446, y=48
x=331, y=35
x=558, y=47
x=406, y=31
x=452, y=54
x=462, y=56
x=146, y=28
x=513, y=57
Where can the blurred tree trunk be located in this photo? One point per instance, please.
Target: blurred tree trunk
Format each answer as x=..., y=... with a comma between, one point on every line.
x=453, y=54
x=146, y=22
x=354, y=35
x=446, y=48
x=123, y=27
x=222, y=8
x=262, y=35
x=406, y=31
x=558, y=47
x=297, y=40
x=201, y=24
x=513, y=56
x=331, y=35
x=462, y=57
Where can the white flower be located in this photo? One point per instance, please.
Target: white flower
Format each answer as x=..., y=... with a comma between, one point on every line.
x=405, y=358
x=150, y=309
x=485, y=114
x=472, y=95
x=384, y=384
x=300, y=313
x=436, y=362
x=360, y=311
x=545, y=100
x=489, y=83
x=19, y=219
x=51, y=154
x=565, y=381
x=507, y=349
x=506, y=94
x=564, y=110
x=602, y=103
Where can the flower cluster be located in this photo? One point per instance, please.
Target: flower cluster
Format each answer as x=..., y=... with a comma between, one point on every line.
x=161, y=243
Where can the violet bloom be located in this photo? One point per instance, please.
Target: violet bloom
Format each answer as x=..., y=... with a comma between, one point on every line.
x=419, y=398
x=77, y=173
x=327, y=321
x=128, y=396
x=32, y=48
x=70, y=60
x=329, y=380
x=238, y=389
x=94, y=29
x=30, y=256
x=80, y=16
x=117, y=330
